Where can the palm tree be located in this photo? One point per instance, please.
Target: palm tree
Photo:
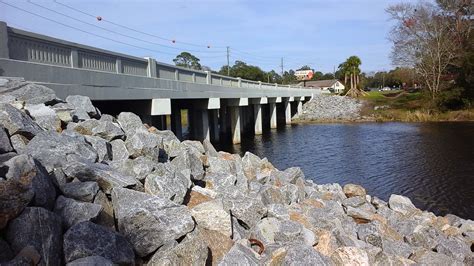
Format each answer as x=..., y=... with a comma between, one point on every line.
x=351, y=68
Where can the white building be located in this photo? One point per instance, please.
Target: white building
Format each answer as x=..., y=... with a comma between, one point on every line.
x=330, y=85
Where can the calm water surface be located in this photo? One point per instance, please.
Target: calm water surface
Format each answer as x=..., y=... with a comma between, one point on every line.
x=432, y=163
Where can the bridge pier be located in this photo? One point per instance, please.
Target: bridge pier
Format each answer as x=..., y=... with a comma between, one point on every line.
x=236, y=125
x=299, y=103
x=214, y=124
x=287, y=105
x=258, y=114
x=273, y=111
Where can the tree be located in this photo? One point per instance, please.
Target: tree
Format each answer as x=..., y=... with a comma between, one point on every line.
x=425, y=38
x=188, y=60
x=350, y=69
x=245, y=71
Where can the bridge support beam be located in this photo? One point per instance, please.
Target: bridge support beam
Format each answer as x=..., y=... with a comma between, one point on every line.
x=299, y=108
x=214, y=124
x=273, y=111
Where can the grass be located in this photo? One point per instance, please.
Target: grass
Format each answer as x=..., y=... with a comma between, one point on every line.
x=408, y=107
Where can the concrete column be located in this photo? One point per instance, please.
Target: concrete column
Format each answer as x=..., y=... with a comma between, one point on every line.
x=299, y=107
x=203, y=120
x=151, y=67
x=4, y=52
x=273, y=115
x=235, y=123
x=239, y=82
x=257, y=114
x=214, y=124
x=194, y=77
x=287, y=112
x=223, y=120
x=176, y=125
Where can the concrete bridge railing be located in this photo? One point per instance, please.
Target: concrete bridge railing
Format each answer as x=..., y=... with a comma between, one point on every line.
x=117, y=82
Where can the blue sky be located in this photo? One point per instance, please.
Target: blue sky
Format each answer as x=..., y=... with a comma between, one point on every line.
x=320, y=33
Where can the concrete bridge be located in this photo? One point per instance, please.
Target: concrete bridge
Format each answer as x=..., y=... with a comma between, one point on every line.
x=156, y=91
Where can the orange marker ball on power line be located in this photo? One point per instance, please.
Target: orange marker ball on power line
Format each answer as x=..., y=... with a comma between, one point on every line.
x=99, y=18
x=173, y=41
x=208, y=46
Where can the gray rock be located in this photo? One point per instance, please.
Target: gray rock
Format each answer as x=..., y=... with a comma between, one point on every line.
x=130, y=123
x=101, y=146
x=304, y=255
x=240, y=254
x=189, y=164
x=193, y=144
x=149, y=221
x=350, y=256
x=278, y=211
x=426, y=237
x=107, y=130
x=247, y=209
x=139, y=167
x=44, y=116
x=91, y=261
x=330, y=108
x=427, y=257
x=401, y=204
x=28, y=92
x=119, y=150
x=82, y=103
x=52, y=148
x=22, y=166
x=74, y=212
x=398, y=248
x=15, y=193
x=104, y=175
x=212, y=216
x=82, y=191
x=19, y=143
x=5, y=145
x=39, y=228
x=170, y=142
x=191, y=251
x=283, y=232
x=17, y=122
x=7, y=156
x=64, y=111
x=454, y=247
x=88, y=239
x=209, y=148
x=272, y=195
x=106, y=216
x=167, y=182
x=6, y=253
x=143, y=143
x=352, y=190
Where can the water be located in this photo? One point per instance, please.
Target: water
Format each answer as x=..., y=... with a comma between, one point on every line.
x=431, y=163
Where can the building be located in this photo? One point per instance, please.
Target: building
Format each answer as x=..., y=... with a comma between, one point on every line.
x=330, y=85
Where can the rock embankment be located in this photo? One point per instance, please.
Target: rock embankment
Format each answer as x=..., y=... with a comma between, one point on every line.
x=78, y=187
x=330, y=108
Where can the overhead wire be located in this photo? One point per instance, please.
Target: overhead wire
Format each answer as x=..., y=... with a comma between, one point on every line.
x=118, y=33
x=133, y=29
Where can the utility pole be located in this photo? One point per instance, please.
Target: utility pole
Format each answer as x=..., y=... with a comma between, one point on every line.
x=281, y=66
x=228, y=65
x=334, y=73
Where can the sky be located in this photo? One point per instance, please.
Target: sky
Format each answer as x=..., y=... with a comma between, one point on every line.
x=318, y=33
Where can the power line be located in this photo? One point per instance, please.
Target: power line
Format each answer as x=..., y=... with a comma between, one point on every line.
x=115, y=32
x=81, y=30
x=132, y=29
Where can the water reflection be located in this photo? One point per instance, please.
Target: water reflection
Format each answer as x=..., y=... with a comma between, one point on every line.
x=432, y=163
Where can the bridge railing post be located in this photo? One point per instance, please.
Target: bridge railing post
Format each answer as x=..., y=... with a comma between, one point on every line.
x=4, y=52
x=259, y=84
x=118, y=65
x=74, y=58
x=176, y=74
x=150, y=68
x=208, y=77
x=239, y=82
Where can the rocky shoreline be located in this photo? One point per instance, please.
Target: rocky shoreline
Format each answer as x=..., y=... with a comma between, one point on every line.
x=78, y=187
x=331, y=108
